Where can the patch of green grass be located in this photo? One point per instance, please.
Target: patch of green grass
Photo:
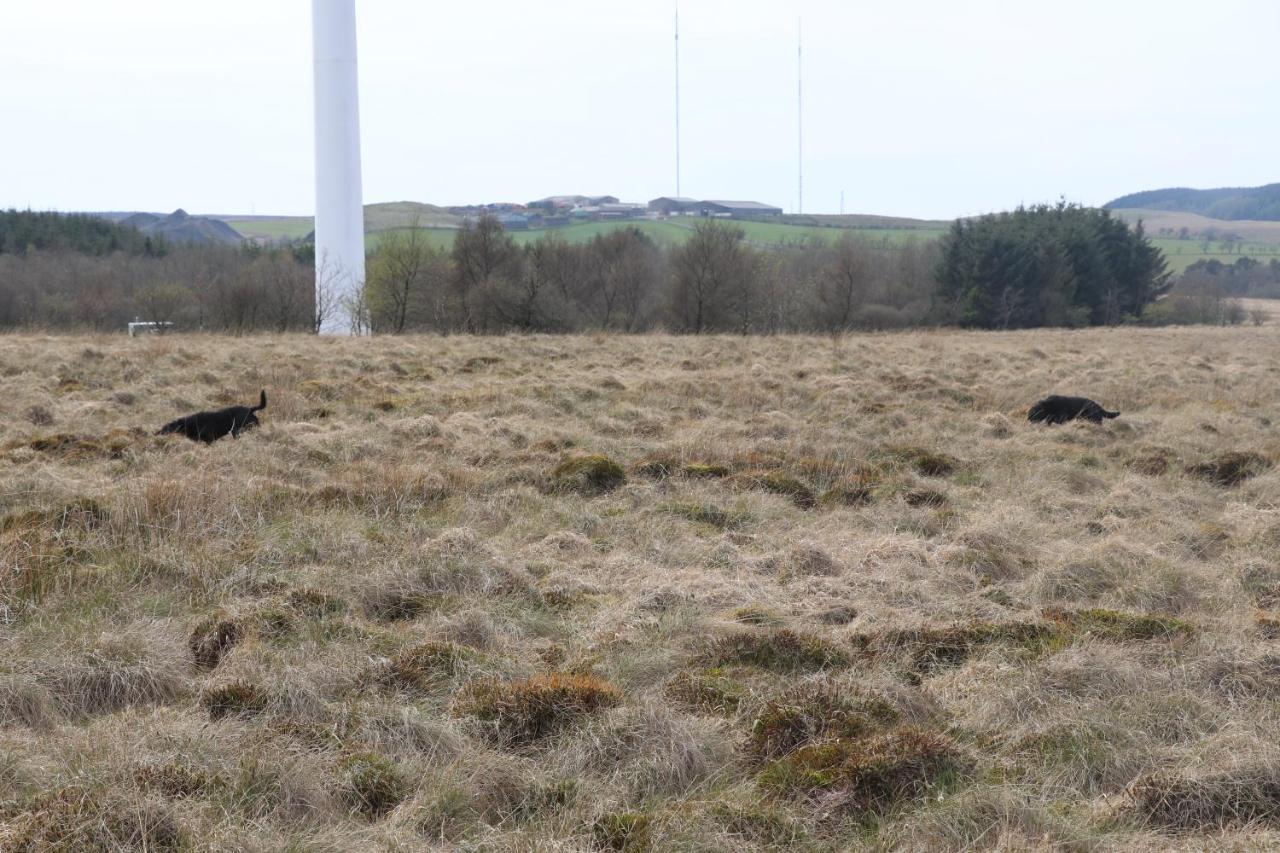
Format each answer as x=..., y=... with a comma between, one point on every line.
x=929, y=649
x=710, y=691
x=591, y=474
x=811, y=714
x=868, y=777
x=371, y=784
x=625, y=831
x=1118, y=626
x=782, y=650
x=428, y=665
x=702, y=513
x=779, y=483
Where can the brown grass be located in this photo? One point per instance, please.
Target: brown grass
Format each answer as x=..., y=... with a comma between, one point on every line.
x=540, y=593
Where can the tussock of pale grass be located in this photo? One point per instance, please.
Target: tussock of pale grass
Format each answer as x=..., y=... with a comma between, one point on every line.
x=537, y=593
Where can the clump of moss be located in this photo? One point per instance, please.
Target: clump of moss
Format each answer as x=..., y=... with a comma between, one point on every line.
x=427, y=665
x=782, y=650
x=927, y=462
x=590, y=474
x=235, y=698
x=657, y=467
x=779, y=483
x=1238, y=798
x=371, y=784
x=81, y=513
x=1119, y=626
x=812, y=714
x=211, y=638
x=313, y=603
x=625, y=831
x=521, y=712
x=216, y=634
x=707, y=690
x=925, y=498
x=761, y=822
x=1152, y=461
x=870, y=776
x=1231, y=468
x=929, y=649
x=850, y=493
x=706, y=470
x=759, y=615
x=701, y=513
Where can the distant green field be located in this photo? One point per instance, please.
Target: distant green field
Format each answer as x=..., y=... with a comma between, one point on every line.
x=675, y=231
x=1183, y=253
x=284, y=228
x=1180, y=253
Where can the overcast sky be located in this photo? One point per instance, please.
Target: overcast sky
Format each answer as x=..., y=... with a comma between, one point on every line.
x=935, y=108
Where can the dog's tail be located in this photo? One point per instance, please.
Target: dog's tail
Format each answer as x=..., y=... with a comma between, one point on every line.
x=262, y=402
x=1107, y=414
x=1038, y=413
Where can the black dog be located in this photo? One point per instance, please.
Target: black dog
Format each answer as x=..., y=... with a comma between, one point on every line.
x=1058, y=410
x=211, y=426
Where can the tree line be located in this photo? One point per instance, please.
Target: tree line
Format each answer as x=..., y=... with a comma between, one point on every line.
x=1048, y=265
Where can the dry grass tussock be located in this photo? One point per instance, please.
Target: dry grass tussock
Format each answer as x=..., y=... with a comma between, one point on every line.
x=644, y=593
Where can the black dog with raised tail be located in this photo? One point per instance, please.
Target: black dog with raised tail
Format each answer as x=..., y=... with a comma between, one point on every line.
x=211, y=426
x=1056, y=409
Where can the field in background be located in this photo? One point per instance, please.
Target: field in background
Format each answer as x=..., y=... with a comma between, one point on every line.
x=1261, y=239
x=642, y=593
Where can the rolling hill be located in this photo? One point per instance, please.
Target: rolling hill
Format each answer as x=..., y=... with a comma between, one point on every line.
x=1229, y=203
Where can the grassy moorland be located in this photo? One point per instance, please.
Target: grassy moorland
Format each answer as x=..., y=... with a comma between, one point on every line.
x=646, y=593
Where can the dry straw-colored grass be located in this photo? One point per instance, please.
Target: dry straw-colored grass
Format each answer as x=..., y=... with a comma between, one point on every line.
x=643, y=593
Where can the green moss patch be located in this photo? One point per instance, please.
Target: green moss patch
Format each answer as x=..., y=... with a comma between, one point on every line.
x=1118, y=626
x=778, y=483
x=867, y=777
x=371, y=784
x=709, y=691
x=591, y=474
x=812, y=714
x=929, y=649
x=782, y=650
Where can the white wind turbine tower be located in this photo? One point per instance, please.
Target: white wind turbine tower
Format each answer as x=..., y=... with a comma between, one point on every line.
x=339, y=203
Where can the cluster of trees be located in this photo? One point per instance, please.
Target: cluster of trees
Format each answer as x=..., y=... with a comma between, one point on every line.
x=714, y=282
x=23, y=231
x=220, y=288
x=1048, y=265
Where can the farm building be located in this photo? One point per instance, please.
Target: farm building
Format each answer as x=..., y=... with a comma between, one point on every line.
x=736, y=209
x=570, y=202
x=673, y=205
x=514, y=221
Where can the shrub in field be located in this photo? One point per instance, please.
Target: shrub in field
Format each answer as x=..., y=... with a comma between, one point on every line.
x=929, y=648
x=709, y=691
x=236, y=698
x=521, y=712
x=930, y=463
x=371, y=784
x=783, y=650
x=811, y=714
x=427, y=665
x=1230, y=469
x=1246, y=796
x=778, y=483
x=592, y=474
x=623, y=831
x=870, y=776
